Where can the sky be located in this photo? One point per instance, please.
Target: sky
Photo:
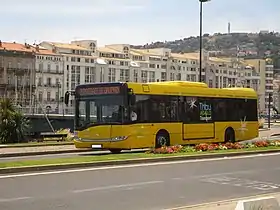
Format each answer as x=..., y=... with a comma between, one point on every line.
x=131, y=21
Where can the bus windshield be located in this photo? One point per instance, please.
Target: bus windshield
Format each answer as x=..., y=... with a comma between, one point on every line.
x=100, y=109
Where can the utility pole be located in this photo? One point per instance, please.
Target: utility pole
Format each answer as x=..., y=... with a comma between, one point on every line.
x=200, y=38
x=269, y=107
x=58, y=95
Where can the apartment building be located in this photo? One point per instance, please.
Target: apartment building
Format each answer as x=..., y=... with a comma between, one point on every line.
x=265, y=69
x=49, y=81
x=17, y=73
x=84, y=62
x=80, y=65
x=276, y=92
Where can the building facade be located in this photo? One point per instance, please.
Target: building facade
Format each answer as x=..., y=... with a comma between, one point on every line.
x=49, y=81
x=17, y=74
x=264, y=67
x=80, y=65
x=84, y=62
x=53, y=68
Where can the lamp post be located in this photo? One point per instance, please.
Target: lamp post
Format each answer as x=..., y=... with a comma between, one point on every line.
x=200, y=38
x=58, y=97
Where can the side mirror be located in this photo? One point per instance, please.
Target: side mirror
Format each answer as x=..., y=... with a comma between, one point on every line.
x=66, y=98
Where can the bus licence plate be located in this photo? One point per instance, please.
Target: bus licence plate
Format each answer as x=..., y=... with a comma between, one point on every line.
x=96, y=146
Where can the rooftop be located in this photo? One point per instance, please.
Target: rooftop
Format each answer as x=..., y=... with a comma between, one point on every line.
x=67, y=46
x=43, y=51
x=13, y=46
x=108, y=50
x=193, y=56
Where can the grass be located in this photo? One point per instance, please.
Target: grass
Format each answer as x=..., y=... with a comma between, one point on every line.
x=38, y=144
x=116, y=157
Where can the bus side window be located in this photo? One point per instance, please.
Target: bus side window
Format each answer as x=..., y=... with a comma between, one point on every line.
x=220, y=110
x=142, y=107
x=191, y=110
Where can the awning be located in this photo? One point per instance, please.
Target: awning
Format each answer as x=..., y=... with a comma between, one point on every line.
x=152, y=56
x=101, y=61
x=134, y=64
x=248, y=67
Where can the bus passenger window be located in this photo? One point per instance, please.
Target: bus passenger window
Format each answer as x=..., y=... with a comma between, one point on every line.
x=155, y=115
x=191, y=110
x=142, y=107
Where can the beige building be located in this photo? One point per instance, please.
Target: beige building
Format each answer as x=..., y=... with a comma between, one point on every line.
x=265, y=70
x=49, y=81
x=80, y=65
x=84, y=62
x=17, y=73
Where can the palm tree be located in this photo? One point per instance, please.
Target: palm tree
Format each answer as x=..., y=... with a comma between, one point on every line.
x=13, y=124
x=21, y=126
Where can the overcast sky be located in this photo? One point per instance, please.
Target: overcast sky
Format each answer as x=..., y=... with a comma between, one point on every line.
x=131, y=21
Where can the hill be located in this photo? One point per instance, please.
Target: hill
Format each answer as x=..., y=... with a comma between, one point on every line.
x=244, y=44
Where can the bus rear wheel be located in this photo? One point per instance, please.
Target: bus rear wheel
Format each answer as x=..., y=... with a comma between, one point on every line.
x=115, y=151
x=229, y=135
x=162, y=139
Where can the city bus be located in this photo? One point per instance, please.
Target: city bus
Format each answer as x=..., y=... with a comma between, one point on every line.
x=127, y=115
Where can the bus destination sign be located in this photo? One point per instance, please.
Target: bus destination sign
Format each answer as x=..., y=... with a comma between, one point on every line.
x=85, y=91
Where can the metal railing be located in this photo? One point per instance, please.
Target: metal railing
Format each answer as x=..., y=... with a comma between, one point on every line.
x=31, y=110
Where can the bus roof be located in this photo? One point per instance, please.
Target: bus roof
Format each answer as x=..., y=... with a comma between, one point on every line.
x=186, y=88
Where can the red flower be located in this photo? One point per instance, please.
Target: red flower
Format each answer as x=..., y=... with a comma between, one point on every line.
x=201, y=147
x=261, y=143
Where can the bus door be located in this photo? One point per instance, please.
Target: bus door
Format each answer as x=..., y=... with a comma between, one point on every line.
x=197, y=120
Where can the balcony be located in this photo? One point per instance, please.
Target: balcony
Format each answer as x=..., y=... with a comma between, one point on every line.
x=49, y=85
x=48, y=72
x=20, y=86
x=19, y=71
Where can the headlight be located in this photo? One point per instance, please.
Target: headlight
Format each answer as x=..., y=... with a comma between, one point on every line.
x=119, y=138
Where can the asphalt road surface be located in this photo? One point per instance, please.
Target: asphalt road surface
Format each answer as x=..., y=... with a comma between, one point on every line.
x=142, y=187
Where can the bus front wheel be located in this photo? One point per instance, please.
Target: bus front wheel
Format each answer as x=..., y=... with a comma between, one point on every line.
x=229, y=135
x=162, y=139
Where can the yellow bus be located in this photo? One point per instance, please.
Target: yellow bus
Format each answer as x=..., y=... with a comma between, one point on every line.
x=120, y=116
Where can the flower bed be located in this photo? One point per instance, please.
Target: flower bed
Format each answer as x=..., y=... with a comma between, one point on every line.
x=211, y=147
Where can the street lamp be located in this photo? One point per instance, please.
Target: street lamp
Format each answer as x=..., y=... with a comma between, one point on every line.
x=200, y=39
x=58, y=97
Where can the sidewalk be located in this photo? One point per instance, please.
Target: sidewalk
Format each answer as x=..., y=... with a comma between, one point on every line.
x=37, y=149
x=268, y=132
x=225, y=205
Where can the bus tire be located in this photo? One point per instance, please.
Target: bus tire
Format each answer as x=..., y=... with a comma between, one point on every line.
x=162, y=139
x=229, y=135
x=115, y=151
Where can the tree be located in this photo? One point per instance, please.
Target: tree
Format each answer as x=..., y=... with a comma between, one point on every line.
x=13, y=124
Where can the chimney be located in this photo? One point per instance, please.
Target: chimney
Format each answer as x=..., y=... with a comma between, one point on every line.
x=37, y=48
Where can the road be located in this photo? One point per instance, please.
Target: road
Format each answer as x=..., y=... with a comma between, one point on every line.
x=142, y=187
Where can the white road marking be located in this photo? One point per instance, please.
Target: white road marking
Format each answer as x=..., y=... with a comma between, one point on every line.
x=109, y=187
x=220, y=202
x=237, y=172
x=247, y=183
x=134, y=165
x=2, y=200
x=177, y=178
